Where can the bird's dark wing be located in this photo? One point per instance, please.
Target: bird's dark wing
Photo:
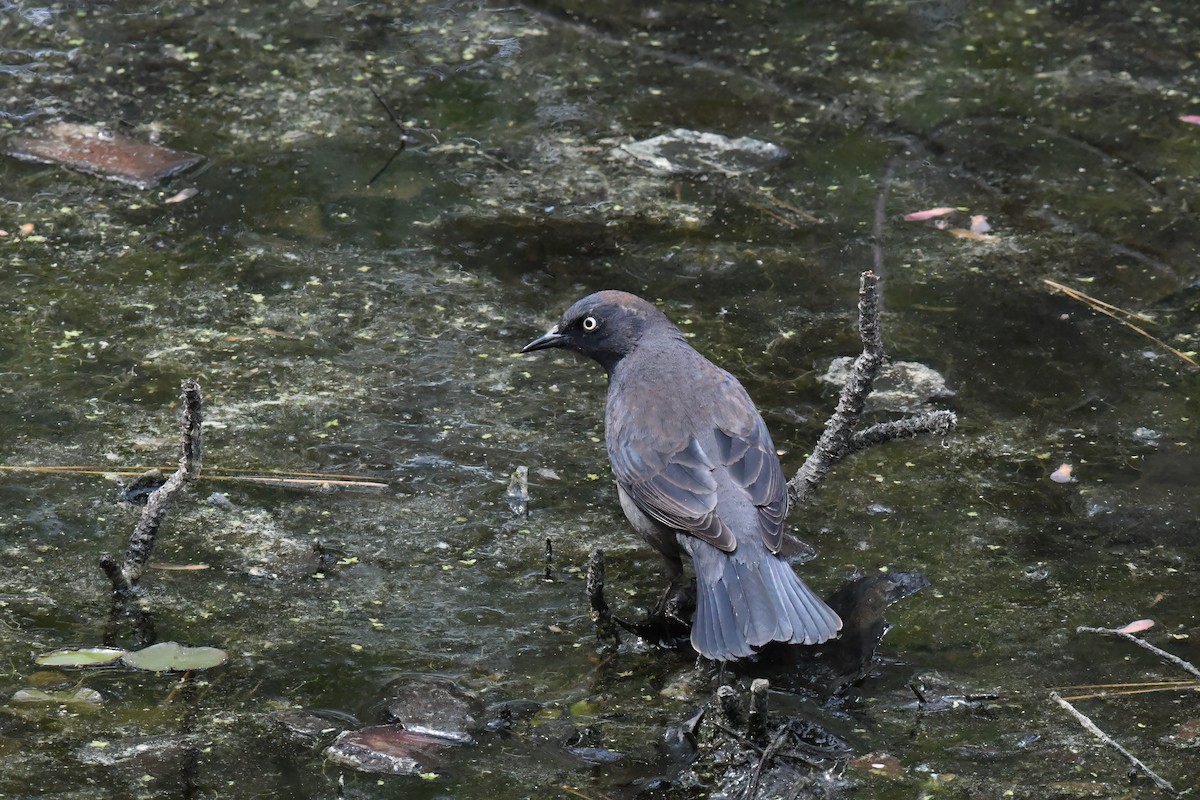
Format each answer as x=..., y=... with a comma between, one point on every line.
x=745, y=448
x=675, y=488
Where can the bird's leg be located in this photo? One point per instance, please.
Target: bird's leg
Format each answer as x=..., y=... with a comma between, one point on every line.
x=670, y=622
x=678, y=601
x=675, y=580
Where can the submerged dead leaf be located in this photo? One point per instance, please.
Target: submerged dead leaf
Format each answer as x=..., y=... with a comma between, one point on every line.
x=963, y=233
x=884, y=765
x=82, y=696
x=175, y=657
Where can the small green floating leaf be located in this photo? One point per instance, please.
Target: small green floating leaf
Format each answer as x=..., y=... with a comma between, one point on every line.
x=81, y=657
x=175, y=657
x=77, y=697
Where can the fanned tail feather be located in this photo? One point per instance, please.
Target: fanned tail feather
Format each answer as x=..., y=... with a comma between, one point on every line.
x=745, y=600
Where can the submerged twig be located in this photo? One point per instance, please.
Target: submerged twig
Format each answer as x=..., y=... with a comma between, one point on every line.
x=403, y=138
x=880, y=217
x=768, y=753
x=1171, y=658
x=1093, y=729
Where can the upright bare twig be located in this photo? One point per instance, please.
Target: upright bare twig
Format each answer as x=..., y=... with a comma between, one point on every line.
x=834, y=443
x=840, y=438
x=125, y=576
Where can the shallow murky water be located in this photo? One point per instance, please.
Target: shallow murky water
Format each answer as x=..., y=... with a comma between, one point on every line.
x=370, y=330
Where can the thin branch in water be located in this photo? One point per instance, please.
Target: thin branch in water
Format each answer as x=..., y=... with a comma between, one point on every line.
x=1171, y=658
x=403, y=138
x=1093, y=729
x=773, y=215
x=1120, y=315
x=768, y=753
x=1179, y=683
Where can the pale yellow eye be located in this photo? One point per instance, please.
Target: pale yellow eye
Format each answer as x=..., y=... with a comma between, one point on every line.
x=590, y=324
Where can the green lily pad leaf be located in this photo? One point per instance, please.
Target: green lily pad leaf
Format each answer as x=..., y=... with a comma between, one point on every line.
x=174, y=657
x=80, y=657
x=82, y=696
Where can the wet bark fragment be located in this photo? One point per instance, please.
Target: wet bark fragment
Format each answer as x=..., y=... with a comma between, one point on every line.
x=91, y=149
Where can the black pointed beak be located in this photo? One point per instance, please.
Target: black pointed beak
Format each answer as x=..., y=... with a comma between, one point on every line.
x=552, y=338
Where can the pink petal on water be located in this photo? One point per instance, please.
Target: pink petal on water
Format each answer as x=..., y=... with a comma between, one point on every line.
x=183, y=194
x=921, y=216
x=1190, y=119
x=1137, y=626
x=1062, y=474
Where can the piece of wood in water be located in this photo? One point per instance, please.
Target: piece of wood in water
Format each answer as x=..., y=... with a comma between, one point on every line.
x=88, y=148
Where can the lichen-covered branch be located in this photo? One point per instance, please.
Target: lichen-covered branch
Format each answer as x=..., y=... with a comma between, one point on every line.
x=936, y=423
x=840, y=437
x=834, y=444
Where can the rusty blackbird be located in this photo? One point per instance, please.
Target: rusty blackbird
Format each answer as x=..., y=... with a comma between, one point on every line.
x=696, y=473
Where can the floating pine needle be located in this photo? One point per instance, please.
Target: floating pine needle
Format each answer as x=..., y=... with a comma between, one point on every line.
x=1108, y=690
x=800, y=212
x=1119, y=314
x=311, y=480
x=571, y=790
x=773, y=215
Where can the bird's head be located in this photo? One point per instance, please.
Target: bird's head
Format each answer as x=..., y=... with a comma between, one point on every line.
x=605, y=326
